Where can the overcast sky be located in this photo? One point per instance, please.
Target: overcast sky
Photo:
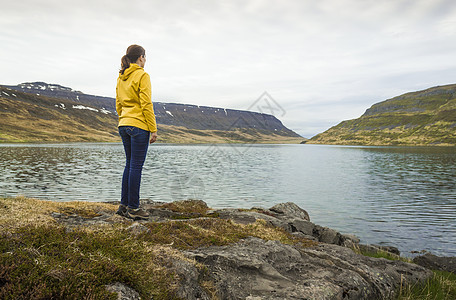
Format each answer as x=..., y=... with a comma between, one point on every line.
x=322, y=61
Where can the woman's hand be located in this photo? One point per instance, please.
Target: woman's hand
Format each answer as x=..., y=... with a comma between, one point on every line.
x=153, y=137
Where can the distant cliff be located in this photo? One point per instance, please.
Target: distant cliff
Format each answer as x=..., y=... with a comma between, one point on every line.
x=52, y=112
x=425, y=117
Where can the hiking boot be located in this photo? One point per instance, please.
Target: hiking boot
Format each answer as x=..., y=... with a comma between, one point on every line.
x=122, y=211
x=138, y=214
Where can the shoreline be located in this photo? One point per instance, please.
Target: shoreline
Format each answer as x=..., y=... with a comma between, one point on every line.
x=209, y=253
x=233, y=143
x=161, y=143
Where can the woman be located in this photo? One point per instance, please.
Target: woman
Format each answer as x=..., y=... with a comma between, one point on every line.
x=137, y=126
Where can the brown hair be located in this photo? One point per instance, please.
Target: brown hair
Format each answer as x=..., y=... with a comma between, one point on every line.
x=133, y=53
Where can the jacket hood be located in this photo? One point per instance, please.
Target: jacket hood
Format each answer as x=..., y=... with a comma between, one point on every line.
x=129, y=71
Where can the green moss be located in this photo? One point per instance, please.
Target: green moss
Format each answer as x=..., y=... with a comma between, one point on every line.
x=204, y=232
x=188, y=209
x=187, y=206
x=380, y=254
x=51, y=263
x=83, y=212
x=384, y=254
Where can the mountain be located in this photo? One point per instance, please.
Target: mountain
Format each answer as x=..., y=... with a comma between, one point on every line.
x=425, y=117
x=38, y=111
x=26, y=117
x=61, y=92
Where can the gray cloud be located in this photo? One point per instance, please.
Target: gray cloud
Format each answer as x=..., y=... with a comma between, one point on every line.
x=324, y=61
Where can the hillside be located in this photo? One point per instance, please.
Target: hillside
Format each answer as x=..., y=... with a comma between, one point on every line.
x=62, y=92
x=31, y=118
x=40, y=112
x=425, y=117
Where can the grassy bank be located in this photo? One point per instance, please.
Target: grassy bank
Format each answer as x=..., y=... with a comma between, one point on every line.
x=41, y=258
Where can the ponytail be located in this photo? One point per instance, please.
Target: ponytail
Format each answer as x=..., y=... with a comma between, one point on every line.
x=125, y=64
x=133, y=53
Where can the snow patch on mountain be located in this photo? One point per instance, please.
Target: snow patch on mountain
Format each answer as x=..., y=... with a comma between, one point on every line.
x=84, y=107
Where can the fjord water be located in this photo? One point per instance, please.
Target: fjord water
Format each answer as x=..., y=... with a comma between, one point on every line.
x=400, y=196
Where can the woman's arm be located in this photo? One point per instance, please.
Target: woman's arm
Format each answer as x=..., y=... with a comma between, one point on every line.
x=145, y=99
x=118, y=105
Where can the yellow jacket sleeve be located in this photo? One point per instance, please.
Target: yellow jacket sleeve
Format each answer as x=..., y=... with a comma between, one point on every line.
x=145, y=100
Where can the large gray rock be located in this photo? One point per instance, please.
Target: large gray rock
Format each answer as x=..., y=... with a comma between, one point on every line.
x=271, y=270
x=434, y=262
x=327, y=235
x=293, y=219
x=189, y=281
x=290, y=210
x=247, y=216
x=300, y=225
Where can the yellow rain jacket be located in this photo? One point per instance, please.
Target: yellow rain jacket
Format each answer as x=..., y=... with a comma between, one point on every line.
x=133, y=99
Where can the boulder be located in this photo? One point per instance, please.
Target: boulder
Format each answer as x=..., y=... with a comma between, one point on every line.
x=349, y=240
x=248, y=217
x=300, y=225
x=242, y=216
x=290, y=210
x=327, y=235
x=434, y=262
x=304, y=236
x=262, y=269
x=189, y=287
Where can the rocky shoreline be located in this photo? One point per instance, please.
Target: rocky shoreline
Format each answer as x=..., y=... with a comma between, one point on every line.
x=329, y=267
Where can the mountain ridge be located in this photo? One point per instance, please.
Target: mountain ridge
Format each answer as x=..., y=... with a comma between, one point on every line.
x=426, y=117
x=177, y=122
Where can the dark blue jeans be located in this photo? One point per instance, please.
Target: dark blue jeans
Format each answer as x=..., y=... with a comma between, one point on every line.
x=136, y=143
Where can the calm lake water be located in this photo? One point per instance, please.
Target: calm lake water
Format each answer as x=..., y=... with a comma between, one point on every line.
x=400, y=196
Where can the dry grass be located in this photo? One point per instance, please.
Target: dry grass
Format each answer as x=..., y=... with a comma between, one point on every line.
x=197, y=207
x=204, y=232
x=22, y=211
